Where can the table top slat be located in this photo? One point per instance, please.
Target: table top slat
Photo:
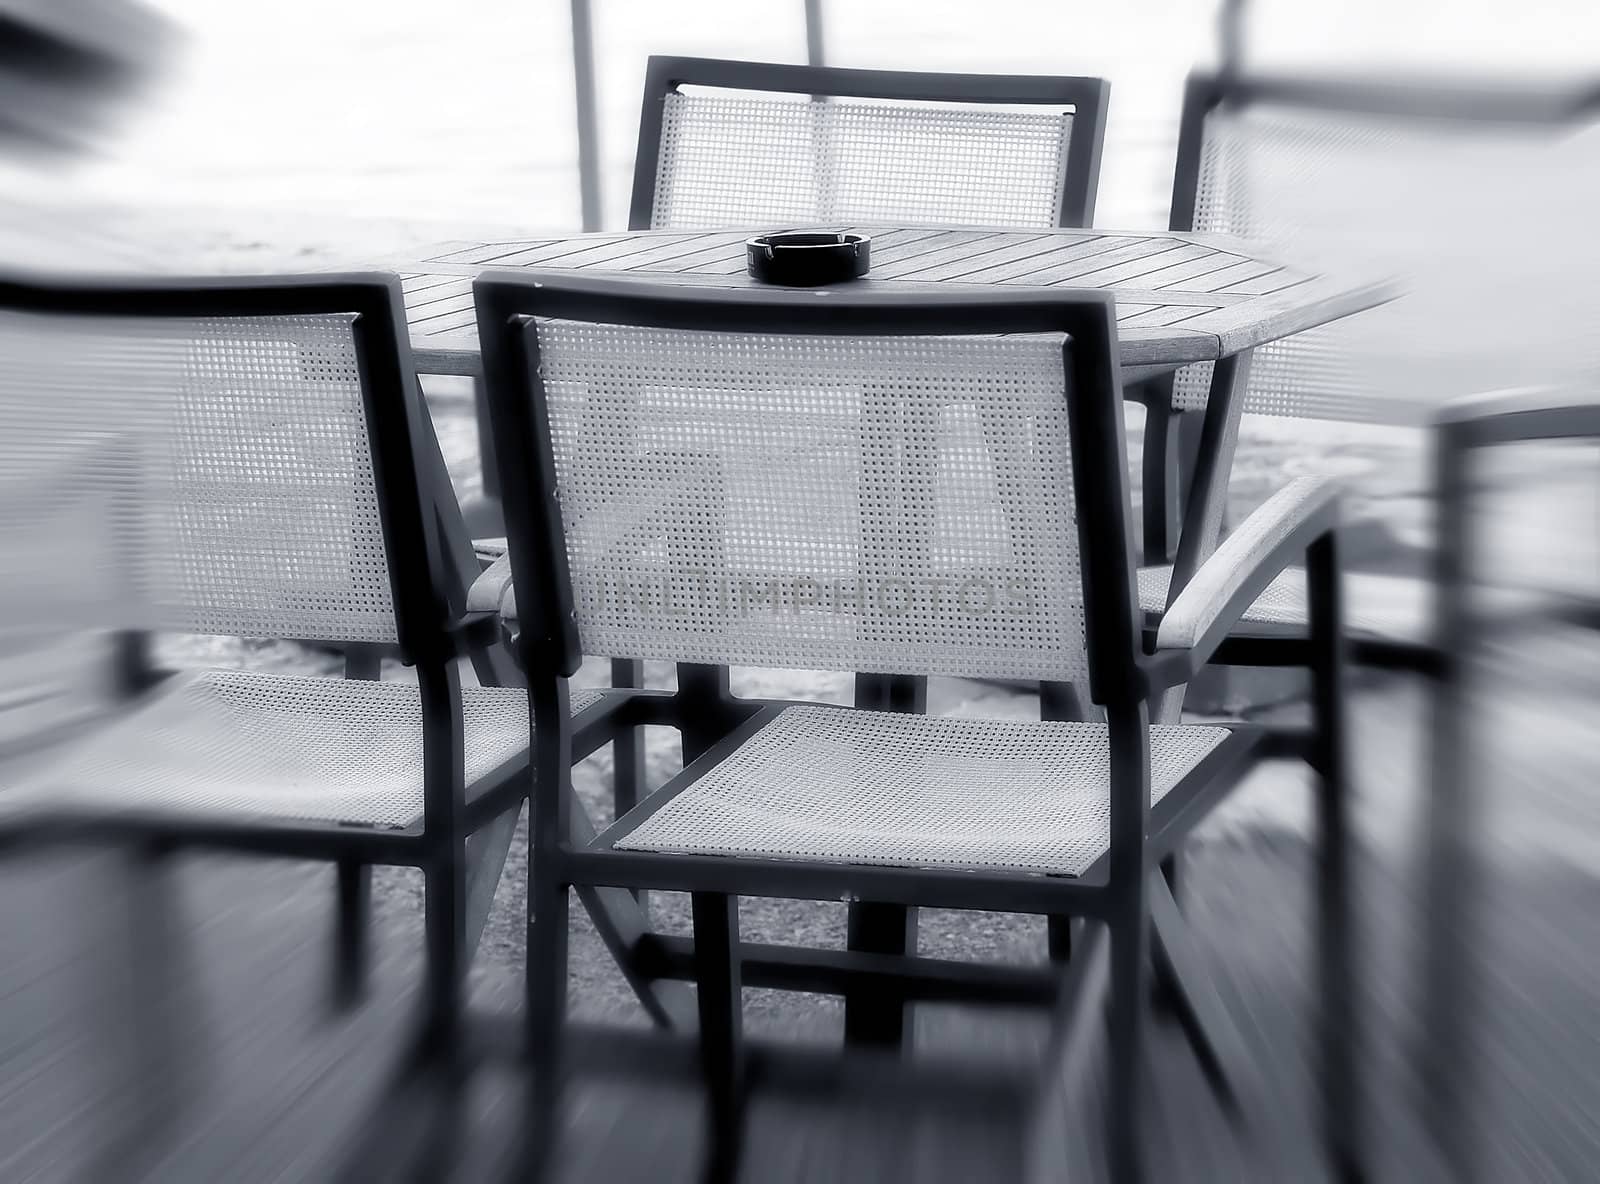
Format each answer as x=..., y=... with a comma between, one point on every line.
x=1083, y=273
x=417, y=285
x=984, y=255
x=650, y=254
x=934, y=252
x=426, y=303
x=1085, y=247
x=1162, y=314
x=1137, y=271
x=1266, y=283
x=425, y=317
x=1248, y=277
x=1186, y=277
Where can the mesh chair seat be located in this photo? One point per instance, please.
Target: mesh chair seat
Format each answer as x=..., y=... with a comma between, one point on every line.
x=845, y=786
x=239, y=745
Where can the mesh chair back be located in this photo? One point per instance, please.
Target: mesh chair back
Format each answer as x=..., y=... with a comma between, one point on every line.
x=196, y=473
x=890, y=499
x=784, y=145
x=1478, y=203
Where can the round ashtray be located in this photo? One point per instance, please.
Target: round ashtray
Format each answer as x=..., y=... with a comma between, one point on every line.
x=807, y=258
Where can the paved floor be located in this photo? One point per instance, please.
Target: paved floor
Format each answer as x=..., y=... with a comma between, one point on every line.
x=269, y=1084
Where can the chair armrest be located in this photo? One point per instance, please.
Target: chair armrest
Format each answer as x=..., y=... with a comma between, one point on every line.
x=493, y=591
x=1521, y=413
x=1239, y=570
x=473, y=631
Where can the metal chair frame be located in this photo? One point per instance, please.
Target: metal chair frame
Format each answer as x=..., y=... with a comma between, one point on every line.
x=431, y=563
x=1122, y=892
x=1181, y=459
x=1080, y=177
x=873, y=926
x=1449, y=979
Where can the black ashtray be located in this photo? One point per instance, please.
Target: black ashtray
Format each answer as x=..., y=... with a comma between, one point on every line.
x=807, y=258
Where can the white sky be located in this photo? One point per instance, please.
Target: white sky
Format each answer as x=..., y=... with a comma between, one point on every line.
x=463, y=108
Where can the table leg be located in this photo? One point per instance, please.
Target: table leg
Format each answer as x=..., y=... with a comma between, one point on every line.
x=483, y=514
x=1161, y=505
x=1205, y=447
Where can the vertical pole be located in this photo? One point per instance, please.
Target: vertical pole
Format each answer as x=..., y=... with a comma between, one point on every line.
x=814, y=55
x=1230, y=37
x=588, y=135
x=1452, y=885
x=1339, y=1034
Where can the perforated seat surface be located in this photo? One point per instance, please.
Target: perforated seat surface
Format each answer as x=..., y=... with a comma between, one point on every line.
x=847, y=786
x=240, y=744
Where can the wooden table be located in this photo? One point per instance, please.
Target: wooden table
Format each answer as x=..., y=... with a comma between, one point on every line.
x=1181, y=297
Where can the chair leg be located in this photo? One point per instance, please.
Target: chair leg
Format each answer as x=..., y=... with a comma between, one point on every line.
x=445, y=923
x=1338, y=1030
x=627, y=750
x=548, y=904
x=483, y=515
x=1193, y=998
x=874, y=1016
x=1160, y=478
x=1130, y=992
x=1172, y=873
x=1059, y=938
x=352, y=937
x=1164, y=993
x=716, y=946
x=149, y=1067
x=627, y=758
x=1060, y=701
x=878, y=1017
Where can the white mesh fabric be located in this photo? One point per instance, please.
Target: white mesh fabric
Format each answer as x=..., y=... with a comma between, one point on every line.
x=888, y=504
x=912, y=791
x=204, y=476
x=730, y=160
x=246, y=745
x=1424, y=201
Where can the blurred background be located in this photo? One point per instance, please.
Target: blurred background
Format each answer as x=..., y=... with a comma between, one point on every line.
x=307, y=134
x=312, y=123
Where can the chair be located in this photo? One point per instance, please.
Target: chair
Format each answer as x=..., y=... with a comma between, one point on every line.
x=1423, y=180
x=1448, y=1052
x=905, y=485
x=725, y=143
x=728, y=143
x=760, y=143
x=251, y=457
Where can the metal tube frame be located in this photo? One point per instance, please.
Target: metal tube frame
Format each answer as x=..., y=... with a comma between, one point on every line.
x=1115, y=892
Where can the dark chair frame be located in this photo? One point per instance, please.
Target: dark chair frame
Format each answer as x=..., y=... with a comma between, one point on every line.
x=1447, y=1054
x=1088, y=96
x=1080, y=178
x=873, y=926
x=430, y=561
x=1122, y=890
x=1182, y=460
